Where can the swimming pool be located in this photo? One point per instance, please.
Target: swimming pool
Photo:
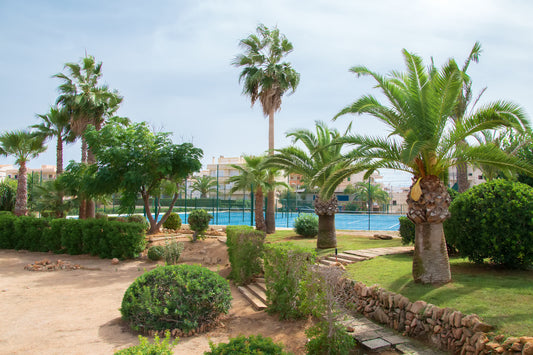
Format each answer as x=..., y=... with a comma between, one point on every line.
x=348, y=221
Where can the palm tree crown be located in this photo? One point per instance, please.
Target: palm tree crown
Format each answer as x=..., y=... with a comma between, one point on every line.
x=204, y=185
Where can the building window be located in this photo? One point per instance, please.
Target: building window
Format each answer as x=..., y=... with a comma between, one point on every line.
x=480, y=177
x=394, y=202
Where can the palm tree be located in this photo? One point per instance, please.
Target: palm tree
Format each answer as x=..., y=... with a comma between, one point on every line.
x=254, y=176
x=267, y=79
x=56, y=123
x=204, y=185
x=324, y=167
x=370, y=193
x=24, y=146
x=424, y=141
x=89, y=104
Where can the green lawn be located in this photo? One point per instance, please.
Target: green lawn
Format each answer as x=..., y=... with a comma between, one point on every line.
x=503, y=298
x=344, y=241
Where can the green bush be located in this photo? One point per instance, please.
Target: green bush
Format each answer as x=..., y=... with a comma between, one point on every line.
x=137, y=218
x=72, y=236
x=146, y=348
x=199, y=222
x=407, y=230
x=245, y=250
x=28, y=233
x=306, y=225
x=173, y=221
x=100, y=215
x=8, y=194
x=287, y=269
x=181, y=297
x=253, y=344
x=324, y=340
x=156, y=252
x=126, y=240
x=172, y=252
x=493, y=220
x=7, y=230
x=52, y=236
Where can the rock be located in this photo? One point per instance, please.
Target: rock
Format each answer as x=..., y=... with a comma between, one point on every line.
x=527, y=349
x=524, y=340
x=418, y=306
x=350, y=329
x=510, y=341
x=114, y=261
x=382, y=236
x=517, y=347
x=483, y=327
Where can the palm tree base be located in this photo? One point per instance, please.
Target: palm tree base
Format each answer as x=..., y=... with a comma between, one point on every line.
x=327, y=237
x=430, y=261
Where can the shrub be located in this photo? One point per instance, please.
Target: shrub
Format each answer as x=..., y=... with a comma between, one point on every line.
x=253, y=344
x=407, y=230
x=156, y=252
x=125, y=240
x=329, y=340
x=493, y=220
x=52, y=236
x=100, y=215
x=183, y=297
x=245, y=250
x=72, y=236
x=7, y=230
x=287, y=269
x=8, y=194
x=137, y=218
x=172, y=252
x=199, y=222
x=28, y=232
x=306, y=225
x=173, y=221
x=146, y=348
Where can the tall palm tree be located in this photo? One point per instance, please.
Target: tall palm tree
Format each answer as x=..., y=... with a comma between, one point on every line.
x=89, y=104
x=56, y=123
x=323, y=166
x=24, y=146
x=204, y=185
x=424, y=142
x=370, y=193
x=266, y=78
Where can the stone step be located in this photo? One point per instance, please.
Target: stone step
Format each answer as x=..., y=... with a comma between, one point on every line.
x=327, y=262
x=258, y=291
x=351, y=257
x=362, y=253
x=256, y=303
x=260, y=280
x=262, y=285
x=340, y=260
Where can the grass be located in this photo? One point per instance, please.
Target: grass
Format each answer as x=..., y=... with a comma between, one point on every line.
x=502, y=298
x=344, y=241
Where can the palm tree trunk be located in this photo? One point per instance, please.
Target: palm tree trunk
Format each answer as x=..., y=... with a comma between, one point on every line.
x=327, y=237
x=59, y=171
x=83, y=202
x=22, y=191
x=259, y=217
x=90, y=206
x=270, y=210
x=430, y=260
x=462, y=177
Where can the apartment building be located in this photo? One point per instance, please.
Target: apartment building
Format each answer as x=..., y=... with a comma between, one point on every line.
x=44, y=173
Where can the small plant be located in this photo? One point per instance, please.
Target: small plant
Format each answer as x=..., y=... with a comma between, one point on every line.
x=136, y=218
x=156, y=252
x=254, y=344
x=146, y=348
x=407, y=230
x=306, y=225
x=172, y=252
x=199, y=222
x=326, y=339
x=173, y=222
x=184, y=297
x=100, y=215
x=245, y=250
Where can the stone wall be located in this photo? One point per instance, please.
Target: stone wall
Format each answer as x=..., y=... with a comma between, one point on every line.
x=445, y=328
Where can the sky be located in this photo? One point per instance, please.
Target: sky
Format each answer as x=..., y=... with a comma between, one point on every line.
x=171, y=60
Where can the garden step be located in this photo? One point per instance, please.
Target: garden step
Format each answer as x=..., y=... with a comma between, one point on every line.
x=362, y=253
x=351, y=257
x=326, y=262
x=260, y=280
x=258, y=291
x=262, y=285
x=256, y=303
x=340, y=260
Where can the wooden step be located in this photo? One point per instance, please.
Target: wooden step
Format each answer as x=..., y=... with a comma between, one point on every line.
x=258, y=292
x=326, y=262
x=351, y=257
x=340, y=260
x=256, y=303
x=261, y=285
x=260, y=280
x=362, y=253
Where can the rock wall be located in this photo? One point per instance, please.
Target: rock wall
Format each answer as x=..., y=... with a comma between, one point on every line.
x=445, y=328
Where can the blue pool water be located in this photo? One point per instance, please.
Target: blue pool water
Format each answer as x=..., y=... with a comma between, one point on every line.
x=348, y=221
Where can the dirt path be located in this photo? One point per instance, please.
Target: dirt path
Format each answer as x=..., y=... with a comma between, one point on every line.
x=77, y=312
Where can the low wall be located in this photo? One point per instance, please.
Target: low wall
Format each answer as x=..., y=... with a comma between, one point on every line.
x=445, y=328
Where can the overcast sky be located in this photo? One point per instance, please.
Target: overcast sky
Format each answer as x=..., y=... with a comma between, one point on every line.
x=171, y=60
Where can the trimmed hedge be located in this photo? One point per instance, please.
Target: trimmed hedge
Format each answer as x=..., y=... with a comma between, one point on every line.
x=107, y=239
x=493, y=220
x=245, y=250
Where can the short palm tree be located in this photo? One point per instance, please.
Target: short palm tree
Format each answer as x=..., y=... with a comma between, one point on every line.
x=266, y=78
x=423, y=141
x=370, y=193
x=24, y=146
x=254, y=176
x=204, y=185
x=324, y=167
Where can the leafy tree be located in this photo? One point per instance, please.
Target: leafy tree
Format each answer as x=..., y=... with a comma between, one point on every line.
x=88, y=103
x=133, y=160
x=24, y=146
x=424, y=141
x=324, y=167
x=370, y=194
x=204, y=185
x=266, y=78
x=254, y=176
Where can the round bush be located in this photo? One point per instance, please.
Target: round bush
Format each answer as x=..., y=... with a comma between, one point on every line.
x=136, y=218
x=100, y=215
x=254, y=344
x=173, y=222
x=183, y=297
x=306, y=225
x=156, y=252
x=199, y=222
x=493, y=220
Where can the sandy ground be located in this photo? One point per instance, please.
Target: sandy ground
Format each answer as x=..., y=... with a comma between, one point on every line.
x=77, y=312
